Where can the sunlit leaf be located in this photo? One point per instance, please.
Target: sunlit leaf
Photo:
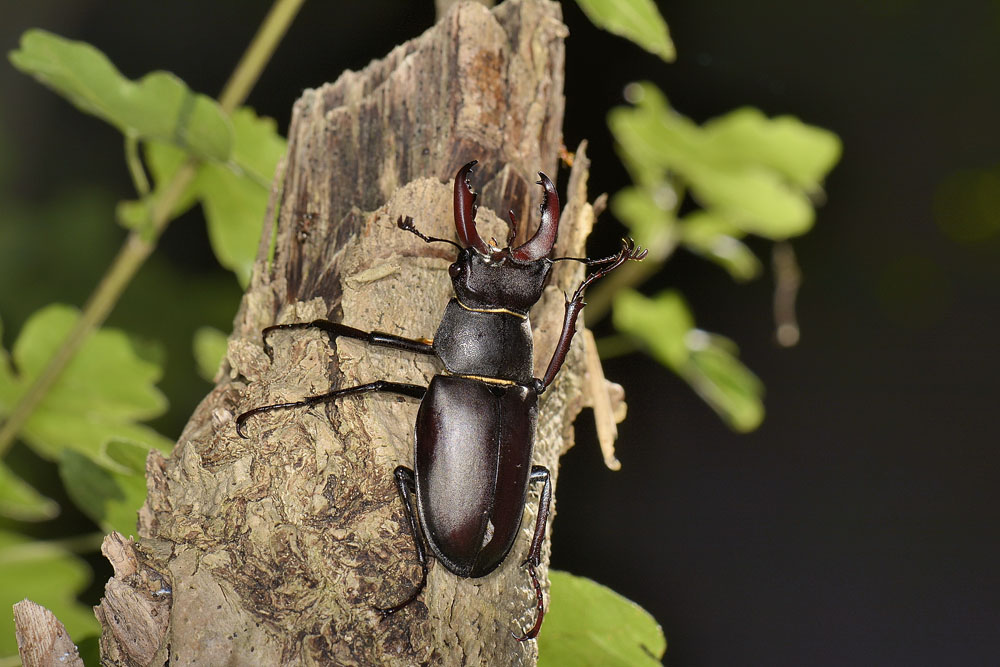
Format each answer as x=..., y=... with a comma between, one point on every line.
x=101, y=395
x=650, y=222
x=158, y=106
x=210, y=346
x=47, y=574
x=636, y=20
x=728, y=386
x=234, y=207
x=20, y=501
x=707, y=362
x=589, y=625
x=163, y=160
x=258, y=147
x=717, y=239
x=804, y=154
x=661, y=323
x=756, y=173
x=233, y=194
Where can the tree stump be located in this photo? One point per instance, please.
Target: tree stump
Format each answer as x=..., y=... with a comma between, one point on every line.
x=275, y=548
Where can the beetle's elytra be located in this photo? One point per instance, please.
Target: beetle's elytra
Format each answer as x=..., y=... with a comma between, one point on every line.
x=475, y=426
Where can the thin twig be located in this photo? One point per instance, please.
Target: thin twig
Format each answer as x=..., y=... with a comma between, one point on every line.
x=787, y=278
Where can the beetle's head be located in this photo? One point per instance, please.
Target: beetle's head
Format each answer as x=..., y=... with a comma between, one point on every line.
x=488, y=277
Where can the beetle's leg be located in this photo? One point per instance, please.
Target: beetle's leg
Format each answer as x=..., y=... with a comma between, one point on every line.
x=335, y=329
x=629, y=251
x=406, y=484
x=538, y=474
x=412, y=390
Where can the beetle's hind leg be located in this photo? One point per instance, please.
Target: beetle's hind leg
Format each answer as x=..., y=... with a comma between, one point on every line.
x=406, y=484
x=412, y=390
x=538, y=474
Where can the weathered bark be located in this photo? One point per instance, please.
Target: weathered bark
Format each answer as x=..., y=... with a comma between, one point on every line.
x=42, y=640
x=276, y=547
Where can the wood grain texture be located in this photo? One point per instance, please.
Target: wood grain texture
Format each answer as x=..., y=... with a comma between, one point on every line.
x=277, y=546
x=42, y=640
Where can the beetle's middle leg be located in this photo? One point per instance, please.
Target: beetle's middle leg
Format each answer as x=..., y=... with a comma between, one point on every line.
x=335, y=329
x=406, y=484
x=538, y=474
x=411, y=390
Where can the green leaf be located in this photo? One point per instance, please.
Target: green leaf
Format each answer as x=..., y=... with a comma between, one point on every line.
x=163, y=161
x=636, y=20
x=803, y=154
x=99, y=397
x=47, y=574
x=651, y=222
x=661, y=323
x=258, y=147
x=210, y=346
x=591, y=625
x=233, y=194
x=159, y=106
x=724, y=383
x=234, y=208
x=716, y=239
x=110, y=497
x=705, y=361
x=756, y=173
x=20, y=501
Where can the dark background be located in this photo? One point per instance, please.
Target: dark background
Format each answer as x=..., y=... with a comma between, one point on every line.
x=859, y=524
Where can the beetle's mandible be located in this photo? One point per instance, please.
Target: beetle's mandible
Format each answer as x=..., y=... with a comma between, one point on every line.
x=475, y=427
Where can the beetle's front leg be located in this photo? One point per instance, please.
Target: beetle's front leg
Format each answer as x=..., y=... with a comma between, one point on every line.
x=538, y=474
x=629, y=251
x=406, y=484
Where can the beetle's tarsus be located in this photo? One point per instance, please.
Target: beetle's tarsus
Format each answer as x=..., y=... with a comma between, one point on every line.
x=386, y=612
x=539, y=608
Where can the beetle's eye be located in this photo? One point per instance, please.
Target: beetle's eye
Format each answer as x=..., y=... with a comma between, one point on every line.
x=455, y=270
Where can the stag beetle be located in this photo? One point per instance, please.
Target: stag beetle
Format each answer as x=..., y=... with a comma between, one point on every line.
x=475, y=427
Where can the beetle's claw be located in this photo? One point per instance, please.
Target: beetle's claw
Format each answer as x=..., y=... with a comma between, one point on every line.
x=532, y=632
x=631, y=251
x=240, y=421
x=384, y=612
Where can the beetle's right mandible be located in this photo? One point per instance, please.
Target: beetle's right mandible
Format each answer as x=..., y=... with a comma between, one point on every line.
x=465, y=211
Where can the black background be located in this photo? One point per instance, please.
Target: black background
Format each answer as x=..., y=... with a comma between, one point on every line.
x=859, y=524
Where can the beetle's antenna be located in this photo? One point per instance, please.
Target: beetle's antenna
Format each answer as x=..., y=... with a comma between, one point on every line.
x=406, y=224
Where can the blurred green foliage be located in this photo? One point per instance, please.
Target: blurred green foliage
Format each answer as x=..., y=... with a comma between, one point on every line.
x=89, y=424
x=159, y=106
x=737, y=175
x=47, y=573
x=636, y=20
